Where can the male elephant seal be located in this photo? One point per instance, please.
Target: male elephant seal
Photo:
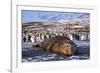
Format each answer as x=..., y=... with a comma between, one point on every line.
x=59, y=45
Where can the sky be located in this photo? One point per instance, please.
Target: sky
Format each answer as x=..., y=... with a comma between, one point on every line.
x=32, y=16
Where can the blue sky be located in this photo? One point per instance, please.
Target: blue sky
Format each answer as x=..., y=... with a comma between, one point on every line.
x=31, y=16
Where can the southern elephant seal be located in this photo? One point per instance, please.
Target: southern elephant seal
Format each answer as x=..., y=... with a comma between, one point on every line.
x=59, y=45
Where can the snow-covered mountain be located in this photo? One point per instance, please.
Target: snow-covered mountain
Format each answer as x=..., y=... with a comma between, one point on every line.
x=52, y=16
x=74, y=21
